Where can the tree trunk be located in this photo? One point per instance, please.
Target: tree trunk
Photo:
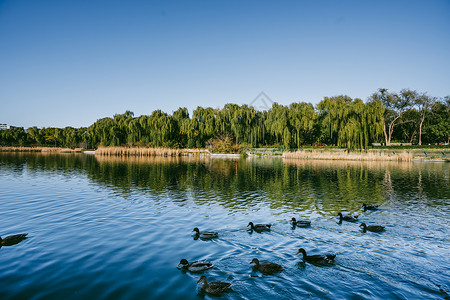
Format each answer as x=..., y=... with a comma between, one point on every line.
x=385, y=133
x=412, y=137
x=391, y=130
x=420, y=130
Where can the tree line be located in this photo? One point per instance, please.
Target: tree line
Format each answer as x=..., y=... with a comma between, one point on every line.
x=407, y=116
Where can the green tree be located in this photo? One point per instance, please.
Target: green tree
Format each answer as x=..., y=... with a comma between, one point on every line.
x=396, y=105
x=437, y=128
x=302, y=118
x=423, y=103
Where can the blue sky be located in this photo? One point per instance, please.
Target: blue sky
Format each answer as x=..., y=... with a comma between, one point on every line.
x=69, y=63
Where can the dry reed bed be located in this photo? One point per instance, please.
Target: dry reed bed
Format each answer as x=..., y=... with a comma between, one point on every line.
x=374, y=165
x=149, y=159
x=39, y=149
x=137, y=151
x=343, y=155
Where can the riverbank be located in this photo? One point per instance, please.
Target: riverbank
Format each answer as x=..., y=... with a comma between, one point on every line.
x=371, y=154
x=307, y=153
x=41, y=149
x=345, y=155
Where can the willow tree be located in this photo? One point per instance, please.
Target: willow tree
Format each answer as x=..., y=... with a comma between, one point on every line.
x=34, y=136
x=158, y=128
x=120, y=129
x=134, y=130
x=333, y=114
x=302, y=118
x=181, y=118
x=437, y=128
x=203, y=124
x=276, y=123
x=351, y=128
x=375, y=119
x=70, y=137
x=257, y=134
x=351, y=123
x=243, y=120
x=13, y=136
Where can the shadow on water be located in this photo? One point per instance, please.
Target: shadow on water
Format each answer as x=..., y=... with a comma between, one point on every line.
x=117, y=227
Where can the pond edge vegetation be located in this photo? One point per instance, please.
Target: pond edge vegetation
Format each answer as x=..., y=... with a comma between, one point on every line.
x=336, y=123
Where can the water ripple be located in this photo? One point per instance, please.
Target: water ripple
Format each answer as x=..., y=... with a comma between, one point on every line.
x=94, y=231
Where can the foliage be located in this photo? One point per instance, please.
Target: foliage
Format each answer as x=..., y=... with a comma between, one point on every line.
x=339, y=120
x=225, y=144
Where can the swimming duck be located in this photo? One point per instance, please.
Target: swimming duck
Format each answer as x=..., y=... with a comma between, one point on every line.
x=12, y=239
x=259, y=227
x=266, y=267
x=317, y=259
x=301, y=223
x=214, y=287
x=196, y=266
x=369, y=207
x=373, y=228
x=205, y=235
x=347, y=218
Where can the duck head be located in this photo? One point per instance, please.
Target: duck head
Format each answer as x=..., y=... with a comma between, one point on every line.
x=196, y=230
x=301, y=250
x=293, y=220
x=255, y=261
x=251, y=225
x=183, y=262
x=202, y=279
x=364, y=226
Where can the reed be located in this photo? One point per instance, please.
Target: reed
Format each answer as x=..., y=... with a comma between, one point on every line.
x=137, y=151
x=142, y=160
x=39, y=149
x=344, y=155
x=373, y=165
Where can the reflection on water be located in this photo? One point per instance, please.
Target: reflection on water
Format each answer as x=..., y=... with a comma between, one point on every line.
x=117, y=227
x=326, y=186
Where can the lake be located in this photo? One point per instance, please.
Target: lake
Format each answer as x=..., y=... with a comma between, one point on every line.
x=116, y=228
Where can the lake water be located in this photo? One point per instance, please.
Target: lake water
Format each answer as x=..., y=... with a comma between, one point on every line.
x=113, y=228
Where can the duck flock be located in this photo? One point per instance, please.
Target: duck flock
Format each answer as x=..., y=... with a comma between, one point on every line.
x=216, y=288
x=265, y=267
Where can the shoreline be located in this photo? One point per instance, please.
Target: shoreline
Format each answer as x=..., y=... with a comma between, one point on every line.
x=407, y=155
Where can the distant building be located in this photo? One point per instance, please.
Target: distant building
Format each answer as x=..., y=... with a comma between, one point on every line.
x=6, y=126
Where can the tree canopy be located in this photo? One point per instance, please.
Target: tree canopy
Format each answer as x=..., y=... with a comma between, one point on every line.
x=407, y=116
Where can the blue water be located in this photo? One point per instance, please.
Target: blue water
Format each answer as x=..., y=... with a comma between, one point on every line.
x=104, y=228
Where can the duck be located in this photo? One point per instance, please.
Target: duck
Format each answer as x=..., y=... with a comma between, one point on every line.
x=214, y=287
x=369, y=207
x=347, y=218
x=318, y=259
x=301, y=223
x=259, y=227
x=13, y=239
x=205, y=235
x=373, y=228
x=266, y=267
x=196, y=266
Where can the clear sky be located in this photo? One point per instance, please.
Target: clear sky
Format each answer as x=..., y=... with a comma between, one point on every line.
x=69, y=63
